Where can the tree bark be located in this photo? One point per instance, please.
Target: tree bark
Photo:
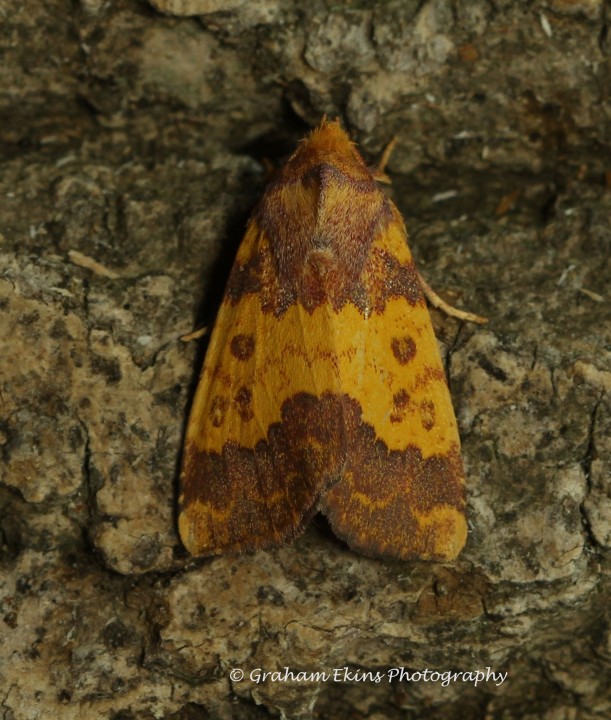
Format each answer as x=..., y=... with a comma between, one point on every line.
x=134, y=139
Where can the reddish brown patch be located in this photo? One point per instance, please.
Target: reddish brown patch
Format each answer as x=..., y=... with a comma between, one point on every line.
x=313, y=233
x=218, y=410
x=387, y=278
x=246, y=278
x=321, y=453
x=243, y=400
x=320, y=253
x=427, y=414
x=401, y=401
x=274, y=488
x=429, y=375
x=242, y=346
x=404, y=349
x=374, y=507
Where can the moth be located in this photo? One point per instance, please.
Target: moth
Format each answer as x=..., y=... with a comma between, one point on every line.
x=323, y=389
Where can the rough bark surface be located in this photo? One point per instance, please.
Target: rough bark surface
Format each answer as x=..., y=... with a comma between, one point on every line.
x=135, y=134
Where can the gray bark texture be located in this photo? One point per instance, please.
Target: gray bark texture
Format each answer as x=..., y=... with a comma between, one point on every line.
x=135, y=135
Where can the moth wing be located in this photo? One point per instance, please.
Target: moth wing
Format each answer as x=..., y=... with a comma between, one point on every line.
x=261, y=445
x=402, y=490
